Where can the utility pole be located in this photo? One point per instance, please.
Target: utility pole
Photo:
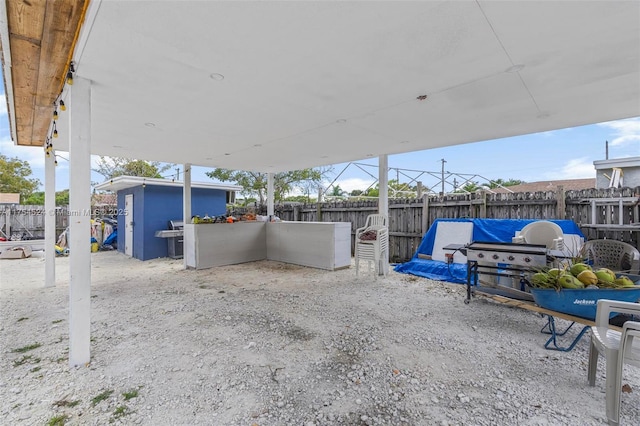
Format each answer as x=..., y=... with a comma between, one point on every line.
x=178, y=173
x=443, y=161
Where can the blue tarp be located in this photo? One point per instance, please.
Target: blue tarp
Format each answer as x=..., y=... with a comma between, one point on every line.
x=489, y=230
x=112, y=238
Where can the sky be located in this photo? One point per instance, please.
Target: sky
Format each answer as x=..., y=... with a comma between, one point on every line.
x=554, y=155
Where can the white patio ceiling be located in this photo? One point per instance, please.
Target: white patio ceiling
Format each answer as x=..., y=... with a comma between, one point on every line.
x=273, y=86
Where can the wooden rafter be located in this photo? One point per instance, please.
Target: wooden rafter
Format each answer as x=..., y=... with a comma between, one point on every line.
x=42, y=34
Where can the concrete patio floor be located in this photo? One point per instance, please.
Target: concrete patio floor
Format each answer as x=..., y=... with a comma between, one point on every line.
x=268, y=343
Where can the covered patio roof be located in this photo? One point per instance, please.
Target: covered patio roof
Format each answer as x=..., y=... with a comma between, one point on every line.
x=274, y=86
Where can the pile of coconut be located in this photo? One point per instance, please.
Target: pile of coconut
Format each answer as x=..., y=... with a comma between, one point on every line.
x=580, y=275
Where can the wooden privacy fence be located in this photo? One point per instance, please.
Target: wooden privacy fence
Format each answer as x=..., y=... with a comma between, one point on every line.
x=27, y=222
x=600, y=213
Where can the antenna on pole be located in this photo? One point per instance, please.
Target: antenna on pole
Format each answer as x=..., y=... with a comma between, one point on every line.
x=606, y=150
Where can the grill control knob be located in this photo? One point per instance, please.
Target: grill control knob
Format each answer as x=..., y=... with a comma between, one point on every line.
x=527, y=259
x=511, y=257
x=495, y=257
x=480, y=255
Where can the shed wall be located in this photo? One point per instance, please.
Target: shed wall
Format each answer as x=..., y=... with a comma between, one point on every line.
x=154, y=206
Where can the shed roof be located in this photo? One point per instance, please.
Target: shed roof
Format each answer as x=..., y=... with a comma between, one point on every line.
x=124, y=182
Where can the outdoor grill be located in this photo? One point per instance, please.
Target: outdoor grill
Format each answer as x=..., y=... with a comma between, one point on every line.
x=175, y=238
x=532, y=255
x=503, y=268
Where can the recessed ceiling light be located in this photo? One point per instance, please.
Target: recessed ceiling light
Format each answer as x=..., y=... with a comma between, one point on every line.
x=515, y=68
x=216, y=76
x=150, y=124
x=341, y=121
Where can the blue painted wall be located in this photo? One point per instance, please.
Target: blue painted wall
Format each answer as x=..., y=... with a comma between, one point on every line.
x=154, y=206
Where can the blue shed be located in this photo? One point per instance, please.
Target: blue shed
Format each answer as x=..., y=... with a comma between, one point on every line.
x=148, y=204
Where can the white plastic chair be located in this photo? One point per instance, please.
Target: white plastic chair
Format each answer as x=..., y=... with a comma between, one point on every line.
x=541, y=232
x=374, y=250
x=618, y=349
x=616, y=255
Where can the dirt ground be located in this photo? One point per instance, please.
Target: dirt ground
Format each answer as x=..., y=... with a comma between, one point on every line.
x=267, y=343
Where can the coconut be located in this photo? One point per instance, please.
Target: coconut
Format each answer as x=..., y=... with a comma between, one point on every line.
x=587, y=277
x=605, y=275
x=540, y=279
x=624, y=281
x=579, y=267
x=569, y=281
x=554, y=272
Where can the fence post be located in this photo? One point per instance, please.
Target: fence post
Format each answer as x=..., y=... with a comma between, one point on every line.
x=296, y=213
x=561, y=207
x=425, y=213
x=419, y=189
x=483, y=206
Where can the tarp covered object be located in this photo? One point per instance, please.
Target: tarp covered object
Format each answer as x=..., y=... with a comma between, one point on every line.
x=112, y=238
x=489, y=230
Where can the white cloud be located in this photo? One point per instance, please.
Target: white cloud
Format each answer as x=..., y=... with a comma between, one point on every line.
x=625, y=131
x=34, y=155
x=350, y=184
x=578, y=168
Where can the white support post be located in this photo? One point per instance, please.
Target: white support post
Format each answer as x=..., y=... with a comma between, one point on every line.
x=383, y=185
x=186, y=206
x=270, y=195
x=383, y=203
x=49, y=220
x=79, y=222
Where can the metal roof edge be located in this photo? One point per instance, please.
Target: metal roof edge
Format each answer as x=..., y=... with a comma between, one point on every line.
x=617, y=162
x=124, y=182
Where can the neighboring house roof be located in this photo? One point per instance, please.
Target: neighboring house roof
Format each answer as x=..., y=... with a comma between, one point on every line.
x=124, y=182
x=104, y=200
x=550, y=185
x=9, y=198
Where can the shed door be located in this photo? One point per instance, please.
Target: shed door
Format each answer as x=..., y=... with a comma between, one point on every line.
x=128, y=224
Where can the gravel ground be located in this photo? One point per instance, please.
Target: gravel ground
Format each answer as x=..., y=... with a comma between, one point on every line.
x=267, y=343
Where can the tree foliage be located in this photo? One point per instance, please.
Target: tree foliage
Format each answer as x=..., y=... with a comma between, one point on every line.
x=111, y=167
x=336, y=191
x=14, y=177
x=509, y=182
x=255, y=183
x=473, y=186
x=37, y=198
